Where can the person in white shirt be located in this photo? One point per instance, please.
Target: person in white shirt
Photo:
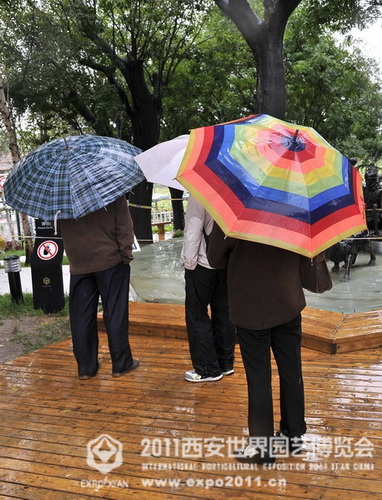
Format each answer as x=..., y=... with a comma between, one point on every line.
x=211, y=335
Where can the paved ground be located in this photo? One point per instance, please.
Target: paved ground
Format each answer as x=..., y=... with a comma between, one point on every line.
x=157, y=277
x=26, y=280
x=27, y=286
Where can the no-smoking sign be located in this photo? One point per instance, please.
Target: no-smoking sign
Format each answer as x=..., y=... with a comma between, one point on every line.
x=47, y=250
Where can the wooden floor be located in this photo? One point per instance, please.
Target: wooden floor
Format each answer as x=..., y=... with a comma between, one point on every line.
x=47, y=417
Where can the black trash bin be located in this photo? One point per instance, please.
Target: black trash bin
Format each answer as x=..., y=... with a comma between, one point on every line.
x=46, y=267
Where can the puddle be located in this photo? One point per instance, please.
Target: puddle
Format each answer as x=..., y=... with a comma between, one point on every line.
x=156, y=277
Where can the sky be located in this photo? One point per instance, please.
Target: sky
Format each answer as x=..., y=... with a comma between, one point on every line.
x=371, y=40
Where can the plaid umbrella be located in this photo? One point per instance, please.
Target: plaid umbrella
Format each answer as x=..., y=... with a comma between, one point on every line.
x=70, y=177
x=270, y=181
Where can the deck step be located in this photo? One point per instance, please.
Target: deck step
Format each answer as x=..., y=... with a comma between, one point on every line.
x=325, y=331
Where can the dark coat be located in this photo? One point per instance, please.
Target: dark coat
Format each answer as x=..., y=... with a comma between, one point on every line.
x=100, y=240
x=264, y=285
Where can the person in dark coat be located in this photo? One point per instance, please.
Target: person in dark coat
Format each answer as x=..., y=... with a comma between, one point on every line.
x=99, y=249
x=265, y=298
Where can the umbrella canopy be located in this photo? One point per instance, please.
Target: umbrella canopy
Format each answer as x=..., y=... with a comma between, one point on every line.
x=161, y=163
x=70, y=177
x=266, y=180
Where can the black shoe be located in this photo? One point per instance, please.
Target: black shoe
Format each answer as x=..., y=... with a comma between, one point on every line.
x=135, y=365
x=86, y=377
x=294, y=443
x=251, y=455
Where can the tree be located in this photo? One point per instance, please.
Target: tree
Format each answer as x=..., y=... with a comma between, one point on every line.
x=265, y=39
x=111, y=61
x=333, y=89
x=265, y=33
x=218, y=76
x=13, y=147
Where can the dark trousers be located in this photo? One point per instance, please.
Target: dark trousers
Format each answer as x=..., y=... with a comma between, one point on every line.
x=211, y=338
x=85, y=289
x=255, y=346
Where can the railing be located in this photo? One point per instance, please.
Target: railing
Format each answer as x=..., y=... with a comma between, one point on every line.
x=161, y=219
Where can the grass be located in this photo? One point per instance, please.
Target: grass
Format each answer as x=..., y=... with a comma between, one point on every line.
x=164, y=205
x=11, y=309
x=48, y=328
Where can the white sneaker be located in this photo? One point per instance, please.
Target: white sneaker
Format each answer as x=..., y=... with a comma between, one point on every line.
x=247, y=452
x=229, y=372
x=192, y=376
x=251, y=455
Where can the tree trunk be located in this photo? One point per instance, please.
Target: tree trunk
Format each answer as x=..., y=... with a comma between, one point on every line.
x=12, y=138
x=177, y=209
x=10, y=225
x=265, y=38
x=271, y=94
x=140, y=199
x=145, y=121
x=144, y=112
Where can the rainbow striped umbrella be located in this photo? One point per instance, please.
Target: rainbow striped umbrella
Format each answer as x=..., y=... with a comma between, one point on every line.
x=266, y=180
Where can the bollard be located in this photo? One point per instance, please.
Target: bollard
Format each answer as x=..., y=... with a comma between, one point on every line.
x=12, y=268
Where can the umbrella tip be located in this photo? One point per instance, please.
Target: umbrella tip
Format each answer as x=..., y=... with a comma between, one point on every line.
x=66, y=143
x=294, y=143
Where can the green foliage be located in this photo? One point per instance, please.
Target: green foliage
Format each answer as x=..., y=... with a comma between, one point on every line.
x=178, y=234
x=333, y=89
x=67, y=67
x=340, y=15
x=215, y=83
x=72, y=64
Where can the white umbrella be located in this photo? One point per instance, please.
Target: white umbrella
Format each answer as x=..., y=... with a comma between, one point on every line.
x=161, y=163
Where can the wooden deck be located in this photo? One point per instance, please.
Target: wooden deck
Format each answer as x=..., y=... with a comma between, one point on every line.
x=324, y=331
x=47, y=417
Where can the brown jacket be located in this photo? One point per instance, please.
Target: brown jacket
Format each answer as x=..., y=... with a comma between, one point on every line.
x=264, y=285
x=100, y=240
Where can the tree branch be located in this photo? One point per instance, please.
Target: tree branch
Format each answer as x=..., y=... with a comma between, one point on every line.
x=241, y=13
x=109, y=73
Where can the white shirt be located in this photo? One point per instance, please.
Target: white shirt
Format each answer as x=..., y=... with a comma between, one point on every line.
x=194, y=244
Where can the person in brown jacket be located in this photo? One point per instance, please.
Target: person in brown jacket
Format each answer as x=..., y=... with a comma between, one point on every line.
x=265, y=299
x=99, y=249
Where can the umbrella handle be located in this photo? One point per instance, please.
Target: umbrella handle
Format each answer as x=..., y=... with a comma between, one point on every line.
x=55, y=221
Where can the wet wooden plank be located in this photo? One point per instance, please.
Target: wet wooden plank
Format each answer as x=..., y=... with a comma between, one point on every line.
x=47, y=417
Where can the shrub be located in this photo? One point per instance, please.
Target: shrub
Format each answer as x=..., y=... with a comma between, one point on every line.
x=8, y=246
